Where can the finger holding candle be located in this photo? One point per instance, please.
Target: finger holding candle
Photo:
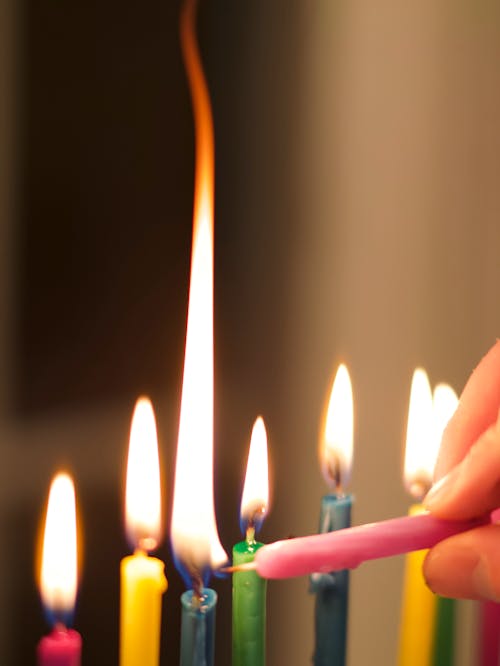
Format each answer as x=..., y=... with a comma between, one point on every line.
x=350, y=547
x=59, y=576
x=454, y=568
x=473, y=486
x=477, y=411
x=249, y=590
x=142, y=577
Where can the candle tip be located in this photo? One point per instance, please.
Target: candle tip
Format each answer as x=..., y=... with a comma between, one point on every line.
x=246, y=566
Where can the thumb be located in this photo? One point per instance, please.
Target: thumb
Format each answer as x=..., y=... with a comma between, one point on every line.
x=465, y=566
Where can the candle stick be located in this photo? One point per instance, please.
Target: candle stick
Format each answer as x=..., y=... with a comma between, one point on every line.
x=419, y=603
x=332, y=589
x=194, y=536
x=249, y=590
x=489, y=634
x=350, y=547
x=142, y=577
x=444, y=635
x=58, y=579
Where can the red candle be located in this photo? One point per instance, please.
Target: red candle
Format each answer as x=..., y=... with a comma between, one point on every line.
x=62, y=647
x=58, y=576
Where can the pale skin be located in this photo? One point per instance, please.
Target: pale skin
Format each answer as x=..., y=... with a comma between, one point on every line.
x=468, y=485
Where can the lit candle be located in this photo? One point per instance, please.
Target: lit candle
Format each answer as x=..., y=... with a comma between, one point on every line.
x=445, y=402
x=194, y=537
x=332, y=589
x=142, y=577
x=249, y=590
x=419, y=603
x=348, y=548
x=58, y=577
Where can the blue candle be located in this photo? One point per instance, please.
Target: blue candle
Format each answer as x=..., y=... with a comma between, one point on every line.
x=198, y=628
x=332, y=590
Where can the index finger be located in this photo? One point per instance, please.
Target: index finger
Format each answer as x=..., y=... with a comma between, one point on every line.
x=476, y=411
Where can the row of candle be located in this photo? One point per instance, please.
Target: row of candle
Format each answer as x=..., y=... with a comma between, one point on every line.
x=142, y=576
x=143, y=580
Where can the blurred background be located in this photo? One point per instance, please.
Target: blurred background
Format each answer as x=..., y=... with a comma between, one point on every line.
x=357, y=208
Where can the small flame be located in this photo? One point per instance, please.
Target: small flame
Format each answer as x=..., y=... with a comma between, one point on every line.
x=58, y=576
x=143, y=495
x=445, y=402
x=337, y=443
x=194, y=535
x=420, y=454
x=255, y=497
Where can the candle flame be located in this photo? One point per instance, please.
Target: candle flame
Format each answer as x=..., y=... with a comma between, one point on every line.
x=58, y=575
x=255, y=497
x=194, y=536
x=143, y=495
x=445, y=402
x=337, y=443
x=420, y=454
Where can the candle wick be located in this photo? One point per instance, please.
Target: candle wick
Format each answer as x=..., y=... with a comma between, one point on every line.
x=250, y=534
x=335, y=474
x=60, y=626
x=147, y=543
x=197, y=590
x=419, y=488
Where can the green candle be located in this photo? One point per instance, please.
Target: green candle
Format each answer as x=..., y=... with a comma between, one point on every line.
x=249, y=609
x=249, y=589
x=444, y=633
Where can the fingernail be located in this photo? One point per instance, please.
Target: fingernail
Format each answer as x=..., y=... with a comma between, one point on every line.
x=440, y=489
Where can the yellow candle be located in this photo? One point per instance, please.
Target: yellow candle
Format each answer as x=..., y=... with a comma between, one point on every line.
x=419, y=606
x=142, y=577
x=418, y=611
x=142, y=585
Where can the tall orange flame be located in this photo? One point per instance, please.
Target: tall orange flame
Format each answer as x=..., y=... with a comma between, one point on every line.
x=203, y=121
x=194, y=535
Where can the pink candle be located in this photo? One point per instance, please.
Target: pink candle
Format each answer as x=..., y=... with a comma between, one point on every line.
x=62, y=647
x=489, y=633
x=348, y=548
x=58, y=576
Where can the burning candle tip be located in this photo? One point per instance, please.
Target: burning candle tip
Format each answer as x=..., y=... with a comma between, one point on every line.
x=246, y=566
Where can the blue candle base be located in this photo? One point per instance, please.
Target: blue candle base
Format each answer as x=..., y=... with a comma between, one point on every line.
x=332, y=591
x=198, y=628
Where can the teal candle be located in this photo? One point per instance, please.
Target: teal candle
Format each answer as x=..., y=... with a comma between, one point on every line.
x=198, y=628
x=332, y=591
x=249, y=609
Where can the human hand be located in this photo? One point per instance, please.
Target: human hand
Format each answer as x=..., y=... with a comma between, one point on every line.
x=468, y=485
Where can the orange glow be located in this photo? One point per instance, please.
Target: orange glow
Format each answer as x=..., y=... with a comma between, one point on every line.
x=445, y=401
x=58, y=575
x=194, y=535
x=255, y=497
x=143, y=495
x=420, y=454
x=337, y=443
